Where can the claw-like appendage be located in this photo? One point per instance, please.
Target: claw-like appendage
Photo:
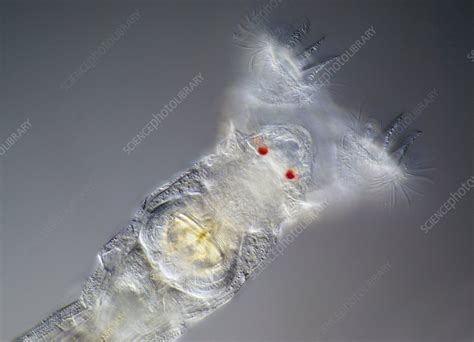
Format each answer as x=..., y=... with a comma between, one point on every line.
x=393, y=130
x=377, y=161
x=297, y=36
x=399, y=153
x=394, y=133
x=318, y=67
x=313, y=48
x=283, y=66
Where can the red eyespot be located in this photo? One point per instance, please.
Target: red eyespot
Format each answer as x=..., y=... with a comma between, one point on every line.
x=290, y=174
x=262, y=150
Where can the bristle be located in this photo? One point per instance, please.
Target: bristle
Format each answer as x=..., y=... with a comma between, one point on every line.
x=310, y=50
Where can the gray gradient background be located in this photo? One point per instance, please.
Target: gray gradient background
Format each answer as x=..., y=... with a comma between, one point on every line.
x=70, y=170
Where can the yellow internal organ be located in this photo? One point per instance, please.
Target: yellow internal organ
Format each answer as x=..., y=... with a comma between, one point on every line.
x=193, y=242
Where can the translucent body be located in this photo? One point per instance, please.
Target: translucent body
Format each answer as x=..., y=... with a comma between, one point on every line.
x=196, y=240
x=192, y=245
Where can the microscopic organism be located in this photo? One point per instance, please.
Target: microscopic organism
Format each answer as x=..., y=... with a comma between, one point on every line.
x=196, y=240
x=192, y=244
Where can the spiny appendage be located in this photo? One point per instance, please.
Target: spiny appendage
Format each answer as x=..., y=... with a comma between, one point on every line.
x=311, y=49
x=284, y=67
x=297, y=36
x=377, y=161
x=305, y=56
x=396, y=141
